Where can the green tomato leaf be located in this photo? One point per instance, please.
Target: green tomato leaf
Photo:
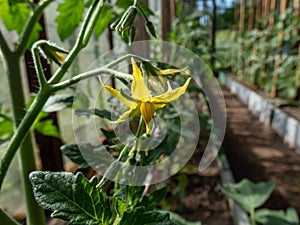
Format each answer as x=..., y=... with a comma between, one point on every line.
x=70, y=16
x=178, y=220
x=14, y=16
x=72, y=151
x=277, y=217
x=72, y=198
x=87, y=112
x=152, y=200
x=249, y=195
x=138, y=216
x=103, y=21
x=58, y=102
x=87, y=155
x=47, y=128
x=7, y=129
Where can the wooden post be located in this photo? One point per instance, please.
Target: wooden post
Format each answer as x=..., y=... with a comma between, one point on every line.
x=236, y=15
x=251, y=15
x=265, y=53
x=272, y=9
x=258, y=12
x=297, y=76
x=166, y=22
x=213, y=36
x=283, y=7
x=242, y=16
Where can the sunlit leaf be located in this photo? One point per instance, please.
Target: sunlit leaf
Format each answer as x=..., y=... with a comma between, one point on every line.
x=47, y=128
x=71, y=198
x=103, y=21
x=249, y=195
x=58, y=102
x=70, y=16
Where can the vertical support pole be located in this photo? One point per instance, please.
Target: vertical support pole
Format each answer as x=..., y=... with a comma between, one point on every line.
x=166, y=22
x=283, y=7
x=297, y=76
x=251, y=16
x=213, y=36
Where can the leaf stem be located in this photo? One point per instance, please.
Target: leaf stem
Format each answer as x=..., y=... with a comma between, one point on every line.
x=37, y=63
x=96, y=72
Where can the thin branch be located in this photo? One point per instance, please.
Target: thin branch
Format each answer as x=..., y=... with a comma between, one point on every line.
x=37, y=63
x=86, y=75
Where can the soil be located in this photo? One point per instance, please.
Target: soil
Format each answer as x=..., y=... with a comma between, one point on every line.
x=256, y=152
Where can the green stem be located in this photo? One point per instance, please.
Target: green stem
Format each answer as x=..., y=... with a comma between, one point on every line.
x=27, y=31
x=22, y=130
x=252, y=217
x=37, y=64
x=35, y=215
x=86, y=75
x=6, y=219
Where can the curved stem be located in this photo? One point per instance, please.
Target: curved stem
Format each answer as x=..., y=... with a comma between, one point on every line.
x=38, y=65
x=96, y=72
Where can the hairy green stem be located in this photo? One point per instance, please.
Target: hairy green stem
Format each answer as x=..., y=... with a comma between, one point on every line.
x=35, y=215
x=92, y=73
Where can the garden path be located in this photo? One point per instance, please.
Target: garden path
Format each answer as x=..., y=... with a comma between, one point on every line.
x=255, y=151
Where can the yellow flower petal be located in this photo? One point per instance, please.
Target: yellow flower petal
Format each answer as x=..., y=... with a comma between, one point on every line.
x=168, y=71
x=118, y=95
x=161, y=100
x=139, y=89
x=132, y=112
x=147, y=111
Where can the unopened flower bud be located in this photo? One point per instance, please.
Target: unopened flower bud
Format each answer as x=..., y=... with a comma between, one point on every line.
x=150, y=28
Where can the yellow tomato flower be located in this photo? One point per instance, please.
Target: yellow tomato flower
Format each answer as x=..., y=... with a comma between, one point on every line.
x=141, y=101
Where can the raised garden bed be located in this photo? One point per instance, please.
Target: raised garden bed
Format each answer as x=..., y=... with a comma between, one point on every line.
x=286, y=121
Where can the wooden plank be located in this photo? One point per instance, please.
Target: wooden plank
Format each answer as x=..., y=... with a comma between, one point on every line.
x=283, y=7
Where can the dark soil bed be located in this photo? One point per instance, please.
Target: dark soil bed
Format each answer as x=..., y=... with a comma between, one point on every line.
x=256, y=152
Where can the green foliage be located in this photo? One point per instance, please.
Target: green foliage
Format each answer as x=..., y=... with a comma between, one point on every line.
x=58, y=102
x=73, y=153
x=71, y=198
x=139, y=216
x=15, y=15
x=103, y=21
x=249, y=195
x=70, y=16
x=277, y=217
x=255, y=53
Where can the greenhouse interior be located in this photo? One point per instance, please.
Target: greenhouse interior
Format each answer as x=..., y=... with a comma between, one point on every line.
x=145, y=112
